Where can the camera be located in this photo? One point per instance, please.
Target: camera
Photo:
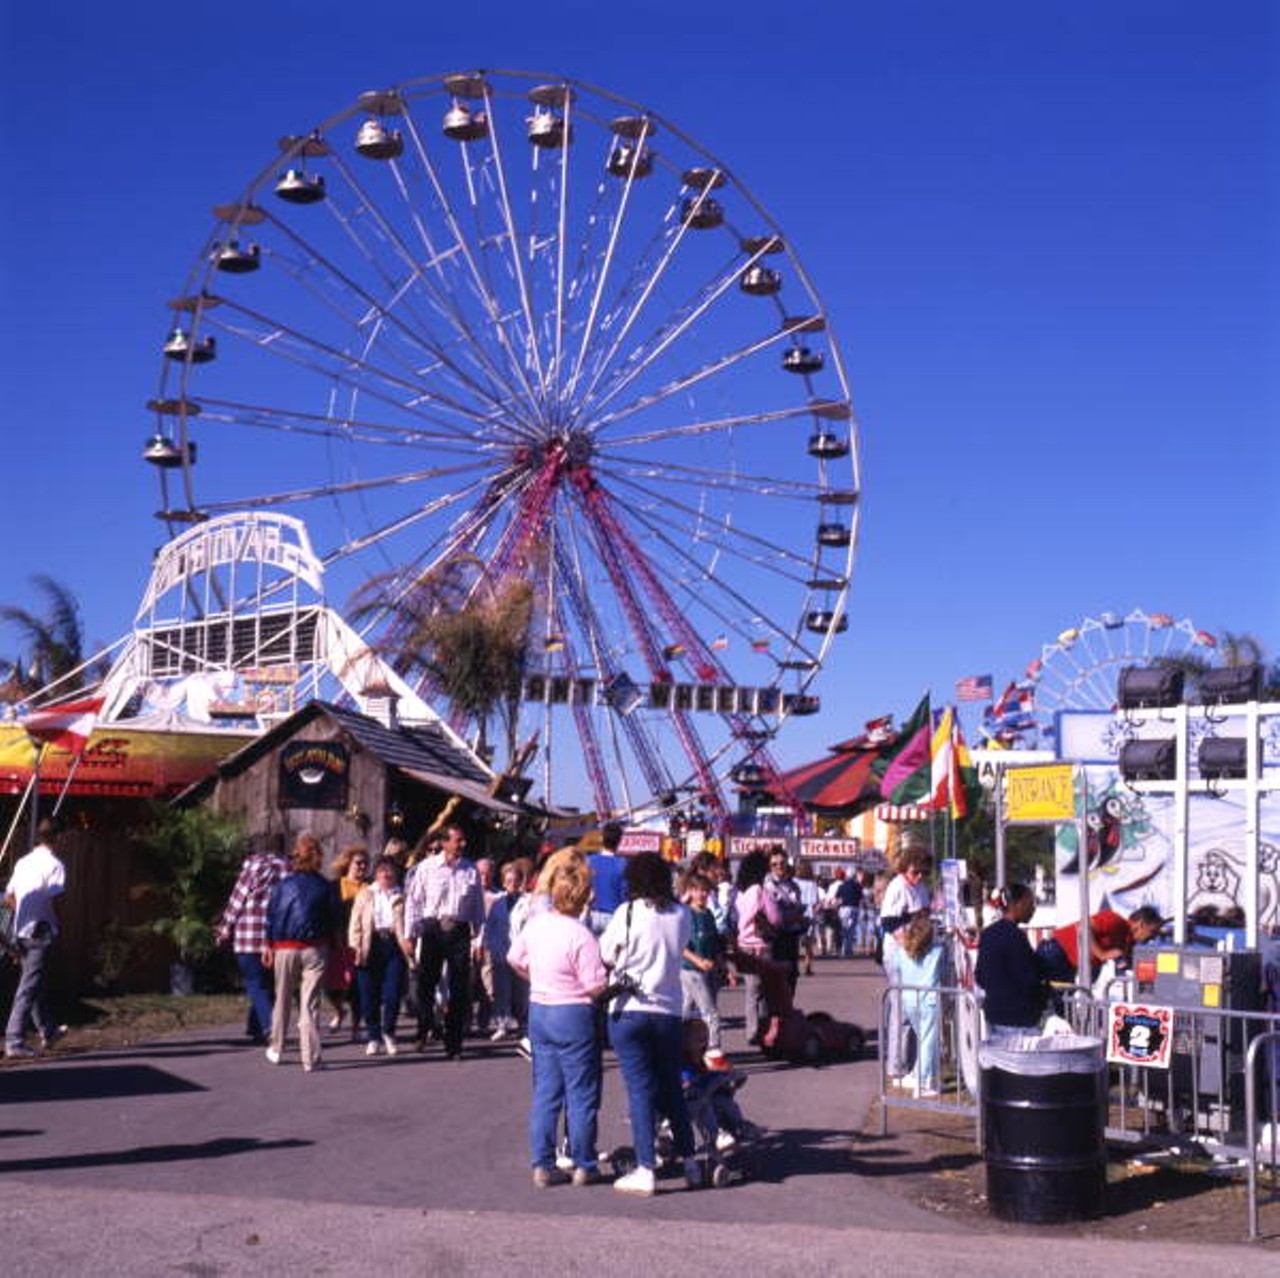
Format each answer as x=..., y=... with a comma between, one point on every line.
x=622, y=983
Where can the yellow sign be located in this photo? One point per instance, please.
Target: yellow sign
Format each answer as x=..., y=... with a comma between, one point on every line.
x=1040, y=794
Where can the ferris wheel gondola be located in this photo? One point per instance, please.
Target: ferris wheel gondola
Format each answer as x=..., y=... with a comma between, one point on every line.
x=517, y=321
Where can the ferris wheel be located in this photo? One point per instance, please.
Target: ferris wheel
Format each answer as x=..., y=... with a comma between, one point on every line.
x=1080, y=669
x=515, y=321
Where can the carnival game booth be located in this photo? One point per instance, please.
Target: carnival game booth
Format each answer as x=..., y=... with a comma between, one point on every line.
x=349, y=778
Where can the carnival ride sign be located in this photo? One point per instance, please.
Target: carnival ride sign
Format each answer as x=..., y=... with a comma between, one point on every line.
x=1040, y=793
x=313, y=774
x=1140, y=1034
x=272, y=541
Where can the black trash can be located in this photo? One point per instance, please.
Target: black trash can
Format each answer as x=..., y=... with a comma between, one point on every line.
x=1044, y=1117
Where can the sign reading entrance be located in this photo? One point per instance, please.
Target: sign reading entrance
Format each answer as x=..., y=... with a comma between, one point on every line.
x=1040, y=794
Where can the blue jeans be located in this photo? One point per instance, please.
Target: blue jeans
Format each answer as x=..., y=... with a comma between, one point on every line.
x=920, y=1011
x=381, y=983
x=28, y=999
x=566, y=1075
x=649, y=1047
x=259, y=986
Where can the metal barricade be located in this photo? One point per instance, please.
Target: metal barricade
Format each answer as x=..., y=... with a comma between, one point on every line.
x=1221, y=1084
x=959, y=1030
x=1219, y=1094
x=1252, y=1131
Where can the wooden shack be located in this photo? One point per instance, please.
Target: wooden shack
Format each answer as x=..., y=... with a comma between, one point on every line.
x=346, y=778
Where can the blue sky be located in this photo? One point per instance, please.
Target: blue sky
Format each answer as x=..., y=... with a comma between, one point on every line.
x=1045, y=235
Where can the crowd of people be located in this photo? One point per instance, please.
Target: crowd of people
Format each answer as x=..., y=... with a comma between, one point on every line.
x=569, y=952
x=576, y=950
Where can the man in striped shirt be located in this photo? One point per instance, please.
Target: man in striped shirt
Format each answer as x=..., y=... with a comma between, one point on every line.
x=243, y=926
x=444, y=907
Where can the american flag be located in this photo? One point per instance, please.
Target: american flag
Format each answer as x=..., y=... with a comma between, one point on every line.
x=974, y=688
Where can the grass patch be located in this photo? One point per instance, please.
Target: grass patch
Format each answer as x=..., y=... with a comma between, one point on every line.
x=124, y=1020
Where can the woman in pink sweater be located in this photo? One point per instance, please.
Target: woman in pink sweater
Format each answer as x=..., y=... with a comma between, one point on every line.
x=560, y=958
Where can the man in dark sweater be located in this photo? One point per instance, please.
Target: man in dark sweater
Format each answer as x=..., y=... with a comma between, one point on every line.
x=1009, y=971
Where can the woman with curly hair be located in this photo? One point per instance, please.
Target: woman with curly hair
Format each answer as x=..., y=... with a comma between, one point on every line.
x=643, y=944
x=351, y=873
x=558, y=955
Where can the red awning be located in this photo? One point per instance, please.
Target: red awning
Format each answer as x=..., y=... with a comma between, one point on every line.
x=840, y=784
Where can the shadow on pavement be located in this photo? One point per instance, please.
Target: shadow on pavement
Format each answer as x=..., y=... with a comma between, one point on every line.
x=881, y=1156
x=96, y=1082
x=801, y=1151
x=221, y=1148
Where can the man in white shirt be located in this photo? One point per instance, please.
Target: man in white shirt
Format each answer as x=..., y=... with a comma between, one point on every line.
x=444, y=907
x=37, y=881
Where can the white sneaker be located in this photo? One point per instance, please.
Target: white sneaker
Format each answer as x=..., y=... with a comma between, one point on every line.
x=371, y=1047
x=273, y=1056
x=389, y=1044
x=725, y=1140
x=909, y=1081
x=637, y=1181
x=499, y=1034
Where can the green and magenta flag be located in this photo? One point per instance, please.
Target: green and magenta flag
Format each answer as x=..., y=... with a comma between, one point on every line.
x=906, y=762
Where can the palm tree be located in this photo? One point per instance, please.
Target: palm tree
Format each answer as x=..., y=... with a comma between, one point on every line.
x=53, y=646
x=1235, y=650
x=469, y=640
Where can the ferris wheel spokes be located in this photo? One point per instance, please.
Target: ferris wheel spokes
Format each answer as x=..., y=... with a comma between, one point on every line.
x=416, y=329
x=484, y=295
x=345, y=428
x=646, y=355
x=689, y=380
x=341, y=365
x=692, y=429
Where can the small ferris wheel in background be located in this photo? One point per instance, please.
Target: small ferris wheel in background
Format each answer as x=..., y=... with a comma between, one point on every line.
x=1080, y=669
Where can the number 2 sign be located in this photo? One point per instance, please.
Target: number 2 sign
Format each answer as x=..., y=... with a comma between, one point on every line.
x=1140, y=1035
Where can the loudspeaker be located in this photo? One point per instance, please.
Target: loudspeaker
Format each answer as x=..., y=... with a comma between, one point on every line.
x=1231, y=685
x=1149, y=686
x=1223, y=758
x=1155, y=760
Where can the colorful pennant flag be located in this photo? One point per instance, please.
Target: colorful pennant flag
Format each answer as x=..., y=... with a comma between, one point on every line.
x=905, y=775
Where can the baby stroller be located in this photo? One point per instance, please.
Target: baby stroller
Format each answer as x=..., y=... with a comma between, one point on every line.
x=786, y=1032
x=726, y=1142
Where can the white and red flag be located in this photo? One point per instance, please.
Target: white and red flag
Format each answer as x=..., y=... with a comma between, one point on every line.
x=67, y=725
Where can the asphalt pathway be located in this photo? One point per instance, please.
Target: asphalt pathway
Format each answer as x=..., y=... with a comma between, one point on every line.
x=195, y=1155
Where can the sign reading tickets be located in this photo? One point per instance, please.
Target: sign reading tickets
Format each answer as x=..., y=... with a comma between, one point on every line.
x=1140, y=1035
x=313, y=774
x=1040, y=794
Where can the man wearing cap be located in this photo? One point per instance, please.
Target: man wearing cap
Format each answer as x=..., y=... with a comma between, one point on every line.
x=444, y=907
x=37, y=881
x=607, y=887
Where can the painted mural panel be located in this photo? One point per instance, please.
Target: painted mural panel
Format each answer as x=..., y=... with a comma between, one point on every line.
x=1130, y=836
